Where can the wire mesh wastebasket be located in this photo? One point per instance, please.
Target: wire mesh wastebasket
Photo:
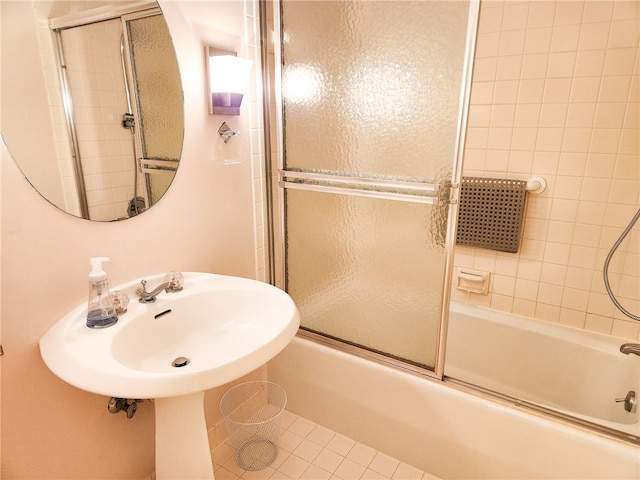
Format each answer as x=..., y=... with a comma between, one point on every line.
x=252, y=413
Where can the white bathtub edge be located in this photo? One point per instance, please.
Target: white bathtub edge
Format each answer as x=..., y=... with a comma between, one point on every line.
x=442, y=430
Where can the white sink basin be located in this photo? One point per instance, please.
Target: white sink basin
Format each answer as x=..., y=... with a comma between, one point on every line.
x=224, y=326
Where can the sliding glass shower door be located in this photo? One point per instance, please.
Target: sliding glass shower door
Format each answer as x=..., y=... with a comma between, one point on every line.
x=158, y=94
x=373, y=99
x=123, y=103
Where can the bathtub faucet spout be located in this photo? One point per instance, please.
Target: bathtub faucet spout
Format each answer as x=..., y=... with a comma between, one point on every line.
x=628, y=348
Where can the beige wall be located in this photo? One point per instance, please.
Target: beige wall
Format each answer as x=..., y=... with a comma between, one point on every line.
x=204, y=223
x=555, y=93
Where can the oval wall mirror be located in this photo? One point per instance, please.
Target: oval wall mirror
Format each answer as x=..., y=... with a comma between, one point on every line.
x=92, y=103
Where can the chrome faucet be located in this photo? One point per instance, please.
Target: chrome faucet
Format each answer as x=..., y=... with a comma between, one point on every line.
x=173, y=283
x=628, y=348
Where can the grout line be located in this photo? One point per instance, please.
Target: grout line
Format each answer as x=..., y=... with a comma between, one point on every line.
x=308, y=451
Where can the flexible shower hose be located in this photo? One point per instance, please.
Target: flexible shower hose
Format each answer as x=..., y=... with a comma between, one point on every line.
x=605, y=270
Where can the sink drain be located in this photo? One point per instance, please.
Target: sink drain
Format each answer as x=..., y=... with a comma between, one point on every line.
x=180, y=362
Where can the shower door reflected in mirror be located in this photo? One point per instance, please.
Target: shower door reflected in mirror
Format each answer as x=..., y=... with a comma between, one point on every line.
x=372, y=94
x=71, y=84
x=124, y=102
x=156, y=84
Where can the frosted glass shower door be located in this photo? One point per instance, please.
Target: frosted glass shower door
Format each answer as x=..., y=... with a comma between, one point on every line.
x=158, y=91
x=371, y=111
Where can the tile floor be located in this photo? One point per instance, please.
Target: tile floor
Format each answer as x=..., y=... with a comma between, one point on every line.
x=308, y=451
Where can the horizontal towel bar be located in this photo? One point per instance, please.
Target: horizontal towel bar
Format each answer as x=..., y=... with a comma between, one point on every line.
x=363, y=193
x=371, y=182
x=156, y=165
x=536, y=185
x=415, y=192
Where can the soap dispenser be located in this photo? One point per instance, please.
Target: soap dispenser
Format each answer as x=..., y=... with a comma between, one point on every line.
x=101, y=311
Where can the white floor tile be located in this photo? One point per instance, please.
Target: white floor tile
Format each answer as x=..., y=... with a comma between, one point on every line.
x=372, y=475
x=315, y=473
x=328, y=460
x=321, y=435
x=307, y=451
x=406, y=472
x=294, y=466
x=350, y=470
x=302, y=427
x=361, y=454
x=340, y=444
x=289, y=440
x=384, y=464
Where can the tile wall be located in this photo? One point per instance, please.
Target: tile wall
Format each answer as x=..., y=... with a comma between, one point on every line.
x=64, y=155
x=95, y=76
x=555, y=93
x=253, y=52
x=252, y=28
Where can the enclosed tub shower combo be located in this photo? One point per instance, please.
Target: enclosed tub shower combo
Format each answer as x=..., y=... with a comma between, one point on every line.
x=376, y=204
x=454, y=213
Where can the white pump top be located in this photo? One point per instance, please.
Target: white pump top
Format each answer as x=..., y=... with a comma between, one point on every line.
x=97, y=274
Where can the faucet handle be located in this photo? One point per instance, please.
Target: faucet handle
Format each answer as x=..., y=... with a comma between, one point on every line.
x=120, y=301
x=142, y=290
x=175, y=280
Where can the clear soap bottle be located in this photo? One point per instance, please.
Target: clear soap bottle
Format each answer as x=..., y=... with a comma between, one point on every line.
x=101, y=312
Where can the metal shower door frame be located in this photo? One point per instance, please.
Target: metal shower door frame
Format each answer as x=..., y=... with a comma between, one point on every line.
x=134, y=103
x=142, y=9
x=433, y=194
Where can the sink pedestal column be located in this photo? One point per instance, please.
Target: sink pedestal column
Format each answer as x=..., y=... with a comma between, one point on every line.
x=182, y=443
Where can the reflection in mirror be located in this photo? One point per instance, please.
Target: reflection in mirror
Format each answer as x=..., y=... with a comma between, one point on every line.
x=94, y=117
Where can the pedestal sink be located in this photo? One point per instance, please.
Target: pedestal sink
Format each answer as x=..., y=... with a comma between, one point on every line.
x=217, y=329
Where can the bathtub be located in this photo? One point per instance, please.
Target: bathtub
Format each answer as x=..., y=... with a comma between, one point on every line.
x=438, y=427
x=571, y=371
